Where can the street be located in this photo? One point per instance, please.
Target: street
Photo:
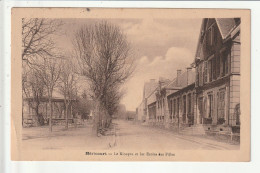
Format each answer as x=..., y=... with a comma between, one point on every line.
x=145, y=137
x=128, y=136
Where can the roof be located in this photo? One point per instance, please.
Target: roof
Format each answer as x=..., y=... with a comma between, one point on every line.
x=46, y=99
x=183, y=80
x=56, y=96
x=149, y=88
x=225, y=25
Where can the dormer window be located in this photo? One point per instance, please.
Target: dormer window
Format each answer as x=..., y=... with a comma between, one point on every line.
x=210, y=36
x=202, y=36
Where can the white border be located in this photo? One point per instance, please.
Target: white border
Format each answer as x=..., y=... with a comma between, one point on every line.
x=33, y=167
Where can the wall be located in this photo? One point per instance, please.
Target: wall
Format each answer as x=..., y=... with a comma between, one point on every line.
x=235, y=81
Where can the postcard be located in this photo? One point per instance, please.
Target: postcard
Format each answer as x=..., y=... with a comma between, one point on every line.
x=126, y=84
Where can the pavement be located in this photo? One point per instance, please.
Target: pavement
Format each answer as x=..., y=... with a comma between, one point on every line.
x=146, y=137
x=128, y=135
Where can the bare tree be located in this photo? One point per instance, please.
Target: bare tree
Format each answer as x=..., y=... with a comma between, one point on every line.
x=49, y=70
x=104, y=58
x=37, y=38
x=68, y=85
x=33, y=90
x=37, y=43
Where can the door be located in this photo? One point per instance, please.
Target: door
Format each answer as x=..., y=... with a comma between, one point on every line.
x=200, y=105
x=221, y=107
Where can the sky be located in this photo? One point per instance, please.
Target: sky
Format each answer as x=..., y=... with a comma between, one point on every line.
x=160, y=46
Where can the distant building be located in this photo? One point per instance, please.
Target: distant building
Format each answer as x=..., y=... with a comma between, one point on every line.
x=160, y=102
x=30, y=115
x=142, y=109
x=130, y=115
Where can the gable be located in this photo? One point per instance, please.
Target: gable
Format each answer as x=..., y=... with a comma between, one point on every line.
x=225, y=25
x=223, y=28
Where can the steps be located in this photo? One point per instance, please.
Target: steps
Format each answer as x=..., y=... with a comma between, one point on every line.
x=217, y=132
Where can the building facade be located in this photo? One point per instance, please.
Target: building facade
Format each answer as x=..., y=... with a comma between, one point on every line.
x=207, y=94
x=181, y=102
x=165, y=104
x=217, y=65
x=31, y=118
x=142, y=109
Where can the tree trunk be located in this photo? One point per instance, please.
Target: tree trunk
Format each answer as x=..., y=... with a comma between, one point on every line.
x=40, y=119
x=96, y=121
x=66, y=115
x=37, y=114
x=50, y=119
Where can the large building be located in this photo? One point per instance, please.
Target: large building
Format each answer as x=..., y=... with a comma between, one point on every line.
x=207, y=94
x=217, y=64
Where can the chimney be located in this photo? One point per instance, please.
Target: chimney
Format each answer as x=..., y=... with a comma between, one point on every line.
x=178, y=77
x=189, y=75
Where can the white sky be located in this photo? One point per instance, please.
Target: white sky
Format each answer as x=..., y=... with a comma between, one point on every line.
x=161, y=46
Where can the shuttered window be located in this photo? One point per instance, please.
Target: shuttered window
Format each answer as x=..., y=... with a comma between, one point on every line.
x=205, y=72
x=174, y=106
x=214, y=68
x=184, y=105
x=197, y=77
x=189, y=103
x=201, y=74
x=210, y=70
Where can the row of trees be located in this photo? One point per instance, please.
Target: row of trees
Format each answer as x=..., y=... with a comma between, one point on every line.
x=44, y=68
x=101, y=55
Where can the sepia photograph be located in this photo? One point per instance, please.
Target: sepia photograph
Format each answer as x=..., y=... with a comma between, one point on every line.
x=101, y=84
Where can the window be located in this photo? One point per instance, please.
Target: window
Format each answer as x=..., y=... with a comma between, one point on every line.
x=197, y=77
x=226, y=64
x=200, y=75
x=145, y=111
x=213, y=68
x=210, y=104
x=174, y=106
x=210, y=36
x=184, y=104
x=201, y=109
x=171, y=108
x=162, y=102
x=189, y=103
x=225, y=59
x=205, y=72
x=178, y=106
x=210, y=70
x=217, y=66
x=221, y=103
